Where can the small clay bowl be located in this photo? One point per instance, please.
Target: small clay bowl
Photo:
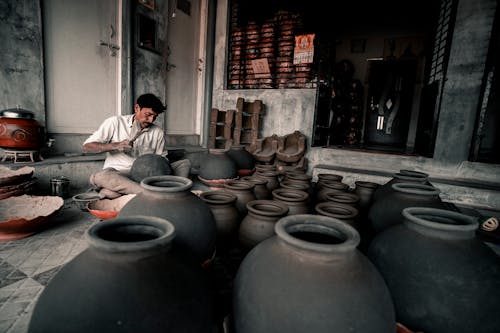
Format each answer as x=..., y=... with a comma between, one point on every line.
x=83, y=199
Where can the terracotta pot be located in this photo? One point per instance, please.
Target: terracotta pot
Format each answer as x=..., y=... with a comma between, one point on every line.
x=170, y=197
x=217, y=165
x=310, y=278
x=132, y=278
x=260, y=190
x=258, y=224
x=404, y=176
x=442, y=278
x=350, y=199
x=227, y=220
x=328, y=186
x=271, y=176
x=244, y=160
x=296, y=200
x=364, y=190
x=386, y=211
x=149, y=165
x=243, y=190
x=298, y=178
x=343, y=212
x=328, y=176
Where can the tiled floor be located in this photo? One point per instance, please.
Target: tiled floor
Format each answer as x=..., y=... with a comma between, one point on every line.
x=28, y=264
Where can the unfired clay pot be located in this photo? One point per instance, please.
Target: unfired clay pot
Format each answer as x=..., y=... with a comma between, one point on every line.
x=310, y=277
x=170, y=197
x=131, y=278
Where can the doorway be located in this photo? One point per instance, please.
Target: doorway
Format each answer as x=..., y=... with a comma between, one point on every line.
x=82, y=61
x=390, y=99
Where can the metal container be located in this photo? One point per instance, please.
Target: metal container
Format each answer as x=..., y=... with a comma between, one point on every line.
x=19, y=131
x=59, y=186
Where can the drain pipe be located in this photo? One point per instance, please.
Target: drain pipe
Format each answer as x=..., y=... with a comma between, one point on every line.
x=209, y=77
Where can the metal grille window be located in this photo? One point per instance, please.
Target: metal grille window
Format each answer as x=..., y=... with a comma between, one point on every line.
x=442, y=41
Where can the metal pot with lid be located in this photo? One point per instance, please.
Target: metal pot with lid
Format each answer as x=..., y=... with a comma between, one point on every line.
x=19, y=130
x=17, y=113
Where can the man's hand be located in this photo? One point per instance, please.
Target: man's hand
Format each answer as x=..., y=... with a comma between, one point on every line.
x=123, y=146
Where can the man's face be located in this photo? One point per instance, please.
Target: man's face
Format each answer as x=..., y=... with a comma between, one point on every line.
x=145, y=116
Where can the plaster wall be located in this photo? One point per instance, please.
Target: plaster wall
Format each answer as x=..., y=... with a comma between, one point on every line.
x=21, y=57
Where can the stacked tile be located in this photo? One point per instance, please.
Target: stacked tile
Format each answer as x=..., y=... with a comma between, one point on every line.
x=252, y=52
x=236, y=52
x=288, y=25
x=267, y=50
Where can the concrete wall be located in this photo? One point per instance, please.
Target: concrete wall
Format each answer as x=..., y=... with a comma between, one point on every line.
x=464, y=78
x=21, y=57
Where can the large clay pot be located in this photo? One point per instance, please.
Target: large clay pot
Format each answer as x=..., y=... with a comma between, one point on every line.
x=328, y=186
x=343, y=212
x=243, y=190
x=328, y=177
x=131, y=278
x=403, y=176
x=244, y=160
x=296, y=200
x=271, y=176
x=260, y=189
x=441, y=277
x=216, y=165
x=364, y=190
x=258, y=224
x=310, y=278
x=386, y=211
x=227, y=220
x=170, y=197
x=350, y=199
x=149, y=165
x=301, y=178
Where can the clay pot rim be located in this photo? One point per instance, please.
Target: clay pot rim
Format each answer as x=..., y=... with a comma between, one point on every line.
x=420, y=216
x=416, y=188
x=174, y=184
x=237, y=184
x=218, y=197
x=319, y=224
x=279, y=209
x=330, y=176
x=156, y=226
x=326, y=208
x=417, y=177
x=292, y=195
x=294, y=185
x=255, y=180
x=334, y=185
x=342, y=197
x=266, y=173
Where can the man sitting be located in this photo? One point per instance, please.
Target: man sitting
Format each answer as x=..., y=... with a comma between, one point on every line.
x=124, y=138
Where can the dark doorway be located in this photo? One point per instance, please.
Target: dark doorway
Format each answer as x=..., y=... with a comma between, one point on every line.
x=389, y=103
